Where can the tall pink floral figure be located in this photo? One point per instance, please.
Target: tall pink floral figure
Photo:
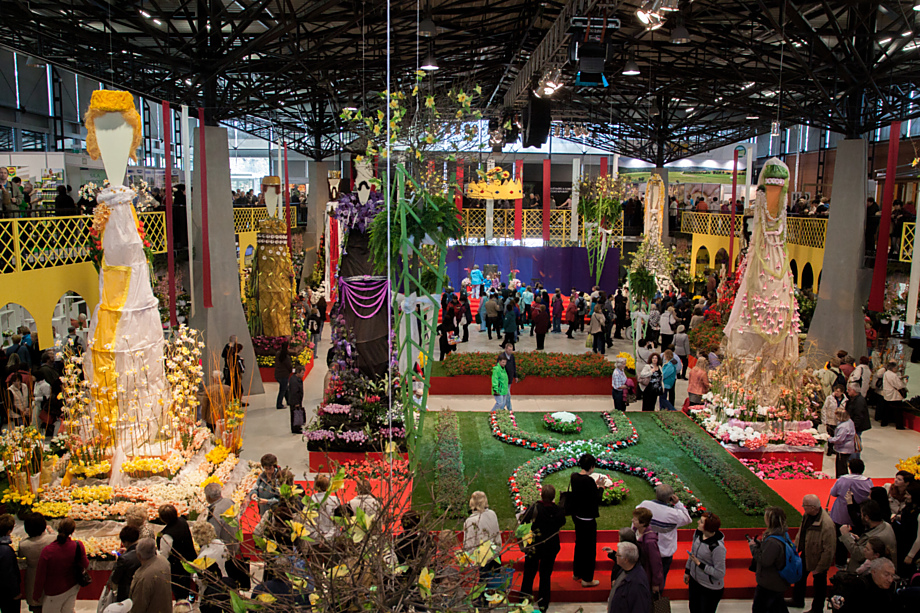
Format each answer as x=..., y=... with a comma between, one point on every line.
x=763, y=327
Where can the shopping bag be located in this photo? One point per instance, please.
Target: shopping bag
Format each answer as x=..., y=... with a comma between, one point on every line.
x=589, y=341
x=107, y=598
x=661, y=604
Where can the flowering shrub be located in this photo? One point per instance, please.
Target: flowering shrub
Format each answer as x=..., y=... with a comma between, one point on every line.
x=782, y=469
x=757, y=441
x=800, y=439
x=707, y=335
x=334, y=409
x=449, y=484
x=911, y=465
x=319, y=435
x=532, y=364
x=394, y=432
x=376, y=469
x=563, y=421
x=615, y=494
x=714, y=462
x=630, y=360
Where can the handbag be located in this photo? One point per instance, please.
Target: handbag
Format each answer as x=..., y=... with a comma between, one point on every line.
x=661, y=603
x=81, y=574
x=857, y=442
x=589, y=341
x=529, y=548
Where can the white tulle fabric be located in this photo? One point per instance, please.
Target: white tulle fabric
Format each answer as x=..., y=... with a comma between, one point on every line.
x=138, y=342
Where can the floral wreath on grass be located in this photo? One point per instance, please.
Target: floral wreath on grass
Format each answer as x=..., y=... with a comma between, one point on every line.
x=526, y=480
x=504, y=427
x=563, y=422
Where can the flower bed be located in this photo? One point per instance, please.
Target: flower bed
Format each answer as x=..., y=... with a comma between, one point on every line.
x=563, y=422
x=685, y=435
x=526, y=481
x=532, y=364
x=481, y=385
x=615, y=494
x=449, y=484
x=504, y=427
x=782, y=469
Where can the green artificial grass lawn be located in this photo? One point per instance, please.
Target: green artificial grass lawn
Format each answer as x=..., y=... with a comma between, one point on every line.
x=437, y=369
x=488, y=464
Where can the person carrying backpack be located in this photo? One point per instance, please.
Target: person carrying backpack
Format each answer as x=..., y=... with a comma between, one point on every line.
x=776, y=563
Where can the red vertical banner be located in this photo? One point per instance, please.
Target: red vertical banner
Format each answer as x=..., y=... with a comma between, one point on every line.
x=333, y=259
x=168, y=201
x=604, y=166
x=205, y=238
x=880, y=272
x=547, y=166
x=287, y=200
x=458, y=196
x=519, y=203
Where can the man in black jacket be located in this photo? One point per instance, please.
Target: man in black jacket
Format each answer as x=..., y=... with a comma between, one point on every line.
x=858, y=410
x=295, y=399
x=126, y=564
x=546, y=519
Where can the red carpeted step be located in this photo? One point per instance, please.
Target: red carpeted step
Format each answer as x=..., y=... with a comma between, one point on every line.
x=739, y=581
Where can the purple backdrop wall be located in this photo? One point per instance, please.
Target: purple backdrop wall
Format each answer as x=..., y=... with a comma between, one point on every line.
x=562, y=267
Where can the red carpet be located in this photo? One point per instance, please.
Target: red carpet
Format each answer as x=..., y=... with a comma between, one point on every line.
x=793, y=490
x=739, y=581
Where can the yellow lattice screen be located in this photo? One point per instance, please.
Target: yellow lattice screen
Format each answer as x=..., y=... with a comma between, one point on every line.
x=474, y=224
x=9, y=258
x=155, y=230
x=908, y=232
x=246, y=219
x=533, y=224
x=503, y=224
x=806, y=231
x=695, y=223
x=43, y=242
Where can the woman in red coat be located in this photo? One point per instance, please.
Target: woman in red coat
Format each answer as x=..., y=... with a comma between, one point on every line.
x=570, y=315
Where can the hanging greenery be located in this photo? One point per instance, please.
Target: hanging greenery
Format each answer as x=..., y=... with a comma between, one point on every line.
x=437, y=219
x=600, y=202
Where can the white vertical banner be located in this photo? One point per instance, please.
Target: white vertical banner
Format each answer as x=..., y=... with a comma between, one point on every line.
x=187, y=168
x=748, y=173
x=616, y=166
x=490, y=206
x=576, y=185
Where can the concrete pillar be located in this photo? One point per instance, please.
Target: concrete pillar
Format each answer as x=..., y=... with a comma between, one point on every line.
x=665, y=220
x=226, y=316
x=838, y=320
x=318, y=178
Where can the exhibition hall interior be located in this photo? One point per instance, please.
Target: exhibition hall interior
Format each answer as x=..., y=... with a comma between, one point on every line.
x=456, y=306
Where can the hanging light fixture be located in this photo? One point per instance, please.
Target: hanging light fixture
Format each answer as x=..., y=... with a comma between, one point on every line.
x=668, y=6
x=631, y=68
x=679, y=34
x=774, y=128
x=431, y=63
x=654, y=111
x=34, y=62
x=427, y=27
x=917, y=6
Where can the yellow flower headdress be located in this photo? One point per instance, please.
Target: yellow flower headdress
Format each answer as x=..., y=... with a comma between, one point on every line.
x=111, y=101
